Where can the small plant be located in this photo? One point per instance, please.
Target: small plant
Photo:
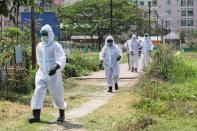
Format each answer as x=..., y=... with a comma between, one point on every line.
x=81, y=64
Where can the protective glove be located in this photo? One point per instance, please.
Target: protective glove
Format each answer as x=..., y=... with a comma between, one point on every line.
x=119, y=57
x=132, y=53
x=53, y=69
x=101, y=63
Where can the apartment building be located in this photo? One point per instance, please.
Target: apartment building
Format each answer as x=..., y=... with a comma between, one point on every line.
x=177, y=15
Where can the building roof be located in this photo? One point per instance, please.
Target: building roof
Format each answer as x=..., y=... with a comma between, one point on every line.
x=171, y=36
x=83, y=37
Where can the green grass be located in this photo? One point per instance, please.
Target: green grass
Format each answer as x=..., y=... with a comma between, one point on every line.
x=124, y=58
x=157, y=103
x=14, y=115
x=109, y=115
x=192, y=56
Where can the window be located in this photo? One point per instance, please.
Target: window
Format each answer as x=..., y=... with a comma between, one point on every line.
x=185, y=22
x=183, y=13
x=190, y=22
x=155, y=2
x=168, y=12
x=141, y=3
x=189, y=12
x=190, y=2
x=183, y=2
x=168, y=2
x=168, y=23
x=187, y=3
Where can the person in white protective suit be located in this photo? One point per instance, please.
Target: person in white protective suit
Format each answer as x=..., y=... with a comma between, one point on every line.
x=147, y=47
x=134, y=53
x=127, y=47
x=51, y=60
x=109, y=57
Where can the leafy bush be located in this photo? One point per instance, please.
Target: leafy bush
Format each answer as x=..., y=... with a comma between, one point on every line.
x=81, y=64
x=167, y=94
x=161, y=62
x=192, y=44
x=168, y=66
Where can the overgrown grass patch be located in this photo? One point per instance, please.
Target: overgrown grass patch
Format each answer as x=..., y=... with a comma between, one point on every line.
x=165, y=98
x=168, y=91
x=109, y=115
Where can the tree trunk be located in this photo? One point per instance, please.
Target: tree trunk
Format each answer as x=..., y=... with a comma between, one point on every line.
x=100, y=41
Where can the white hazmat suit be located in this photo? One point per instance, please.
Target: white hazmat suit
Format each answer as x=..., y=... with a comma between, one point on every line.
x=147, y=46
x=127, y=47
x=134, y=52
x=48, y=53
x=109, y=57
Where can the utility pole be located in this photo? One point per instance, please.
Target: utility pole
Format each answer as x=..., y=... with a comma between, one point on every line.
x=111, y=16
x=136, y=30
x=17, y=23
x=162, y=31
x=149, y=12
x=33, y=37
x=1, y=27
x=157, y=27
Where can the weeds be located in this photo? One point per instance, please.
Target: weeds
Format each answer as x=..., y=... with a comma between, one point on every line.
x=167, y=91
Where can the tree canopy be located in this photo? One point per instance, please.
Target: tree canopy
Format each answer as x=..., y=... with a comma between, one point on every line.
x=7, y=6
x=92, y=17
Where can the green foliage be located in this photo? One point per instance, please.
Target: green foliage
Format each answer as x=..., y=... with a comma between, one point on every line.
x=168, y=90
x=7, y=6
x=151, y=106
x=192, y=44
x=92, y=17
x=81, y=64
x=167, y=65
x=30, y=83
x=182, y=69
x=162, y=62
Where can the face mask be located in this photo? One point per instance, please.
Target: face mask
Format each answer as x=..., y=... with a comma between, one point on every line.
x=109, y=43
x=44, y=38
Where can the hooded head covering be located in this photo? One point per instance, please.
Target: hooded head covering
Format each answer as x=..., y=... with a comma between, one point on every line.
x=133, y=36
x=51, y=35
x=109, y=38
x=146, y=35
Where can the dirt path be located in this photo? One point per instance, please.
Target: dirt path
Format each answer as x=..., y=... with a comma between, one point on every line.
x=124, y=74
x=97, y=99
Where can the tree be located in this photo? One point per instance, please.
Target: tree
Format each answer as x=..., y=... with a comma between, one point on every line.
x=9, y=6
x=93, y=17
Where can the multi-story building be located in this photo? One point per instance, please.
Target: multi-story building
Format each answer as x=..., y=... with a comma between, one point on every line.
x=177, y=15
x=143, y=4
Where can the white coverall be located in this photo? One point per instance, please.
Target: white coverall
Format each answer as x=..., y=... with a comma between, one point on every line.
x=127, y=47
x=109, y=56
x=48, y=53
x=147, y=46
x=134, y=48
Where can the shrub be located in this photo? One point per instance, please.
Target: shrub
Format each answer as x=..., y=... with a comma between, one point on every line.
x=168, y=66
x=81, y=64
